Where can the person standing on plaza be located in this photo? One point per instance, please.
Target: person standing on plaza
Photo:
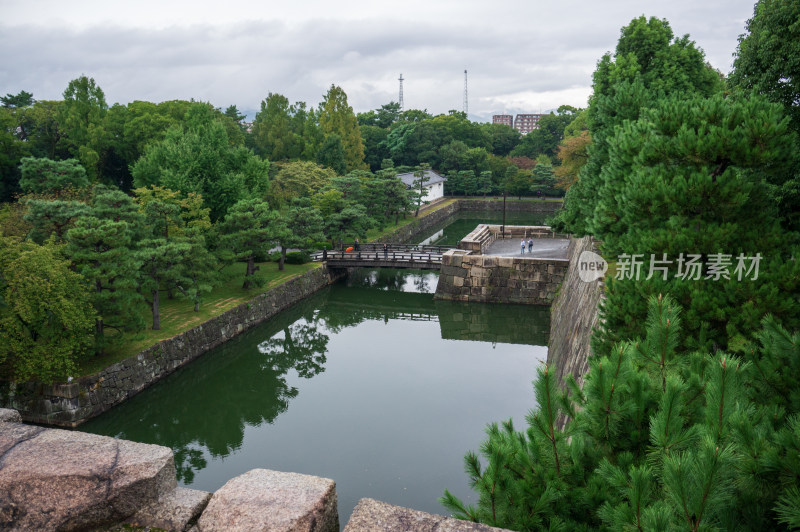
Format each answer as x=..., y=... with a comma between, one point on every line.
x=530, y=245
x=522, y=246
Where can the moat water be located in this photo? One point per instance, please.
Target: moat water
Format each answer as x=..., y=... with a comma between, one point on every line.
x=369, y=382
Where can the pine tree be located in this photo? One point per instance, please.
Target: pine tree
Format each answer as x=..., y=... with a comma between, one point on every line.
x=337, y=118
x=250, y=228
x=687, y=178
x=659, y=438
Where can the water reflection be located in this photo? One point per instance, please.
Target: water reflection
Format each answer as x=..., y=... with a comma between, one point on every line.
x=204, y=410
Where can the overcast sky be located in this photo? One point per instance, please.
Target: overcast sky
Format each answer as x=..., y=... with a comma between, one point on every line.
x=521, y=55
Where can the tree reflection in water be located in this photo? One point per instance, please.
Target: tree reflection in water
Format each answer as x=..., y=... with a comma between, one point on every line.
x=206, y=406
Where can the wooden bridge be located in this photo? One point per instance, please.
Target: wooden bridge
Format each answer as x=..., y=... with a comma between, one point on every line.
x=392, y=256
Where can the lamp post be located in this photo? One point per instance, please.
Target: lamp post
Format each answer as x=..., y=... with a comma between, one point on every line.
x=503, y=227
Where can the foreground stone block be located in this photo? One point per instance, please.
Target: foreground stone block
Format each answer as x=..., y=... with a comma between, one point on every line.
x=174, y=511
x=9, y=415
x=262, y=500
x=53, y=479
x=370, y=515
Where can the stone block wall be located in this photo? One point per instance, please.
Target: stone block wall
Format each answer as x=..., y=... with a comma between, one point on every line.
x=427, y=220
x=573, y=317
x=69, y=405
x=485, y=279
x=512, y=205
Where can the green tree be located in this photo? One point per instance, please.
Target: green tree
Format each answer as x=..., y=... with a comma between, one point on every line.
x=46, y=317
x=250, y=229
x=101, y=247
x=504, y=138
x=351, y=222
x=273, y=131
x=767, y=62
x=375, y=150
x=337, y=118
x=46, y=176
x=331, y=154
x=687, y=178
x=658, y=438
x=82, y=119
x=485, y=182
x=302, y=228
x=421, y=176
x=12, y=150
x=648, y=63
x=199, y=158
x=17, y=101
x=300, y=179
x=52, y=217
x=161, y=266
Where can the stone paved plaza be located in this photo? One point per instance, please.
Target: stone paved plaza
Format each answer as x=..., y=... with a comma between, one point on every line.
x=543, y=248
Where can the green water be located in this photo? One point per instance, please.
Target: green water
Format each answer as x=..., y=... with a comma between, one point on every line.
x=452, y=230
x=370, y=382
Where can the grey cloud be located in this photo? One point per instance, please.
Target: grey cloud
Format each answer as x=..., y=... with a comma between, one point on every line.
x=240, y=63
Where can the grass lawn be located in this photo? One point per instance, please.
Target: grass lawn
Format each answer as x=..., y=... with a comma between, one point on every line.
x=177, y=315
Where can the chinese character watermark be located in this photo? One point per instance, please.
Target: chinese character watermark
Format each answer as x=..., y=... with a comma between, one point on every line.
x=689, y=267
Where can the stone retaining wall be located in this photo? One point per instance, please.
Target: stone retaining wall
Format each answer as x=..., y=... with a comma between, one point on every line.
x=69, y=405
x=512, y=205
x=421, y=225
x=486, y=279
x=573, y=316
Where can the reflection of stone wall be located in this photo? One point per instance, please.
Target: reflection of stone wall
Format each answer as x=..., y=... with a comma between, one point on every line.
x=421, y=225
x=573, y=316
x=485, y=279
x=479, y=323
x=71, y=404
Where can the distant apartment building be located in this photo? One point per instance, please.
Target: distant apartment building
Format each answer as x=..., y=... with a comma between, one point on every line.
x=503, y=119
x=527, y=123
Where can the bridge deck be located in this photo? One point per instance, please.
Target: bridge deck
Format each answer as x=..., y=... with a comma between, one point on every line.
x=416, y=259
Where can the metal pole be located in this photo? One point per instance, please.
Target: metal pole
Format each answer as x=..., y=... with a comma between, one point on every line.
x=504, y=215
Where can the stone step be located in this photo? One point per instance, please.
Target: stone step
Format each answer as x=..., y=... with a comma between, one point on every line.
x=264, y=500
x=53, y=479
x=370, y=515
x=175, y=511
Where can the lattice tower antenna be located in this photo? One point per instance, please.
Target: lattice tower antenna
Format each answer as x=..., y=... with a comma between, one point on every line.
x=401, y=93
x=466, y=99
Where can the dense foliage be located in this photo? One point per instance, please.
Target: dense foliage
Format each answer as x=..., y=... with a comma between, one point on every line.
x=688, y=416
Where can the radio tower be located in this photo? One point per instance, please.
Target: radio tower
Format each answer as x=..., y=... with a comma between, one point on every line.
x=401, y=93
x=466, y=100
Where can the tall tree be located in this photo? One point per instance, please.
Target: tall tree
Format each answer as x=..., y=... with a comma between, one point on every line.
x=648, y=63
x=767, y=62
x=101, y=247
x=273, y=131
x=82, y=121
x=421, y=176
x=687, y=178
x=199, y=158
x=337, y=118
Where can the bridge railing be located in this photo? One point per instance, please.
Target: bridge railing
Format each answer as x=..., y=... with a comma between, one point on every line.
x=399, y=253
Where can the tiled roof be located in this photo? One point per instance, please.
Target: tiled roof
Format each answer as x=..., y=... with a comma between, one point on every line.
x=433, y=178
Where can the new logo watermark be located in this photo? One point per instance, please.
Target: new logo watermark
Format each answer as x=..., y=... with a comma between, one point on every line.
x=591, y=266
